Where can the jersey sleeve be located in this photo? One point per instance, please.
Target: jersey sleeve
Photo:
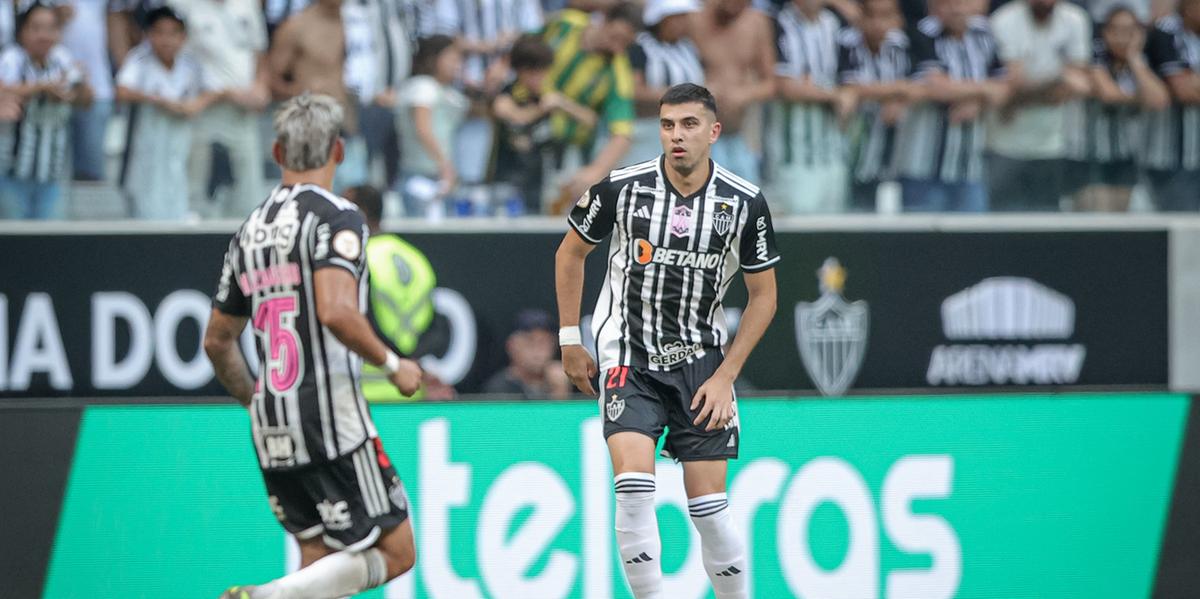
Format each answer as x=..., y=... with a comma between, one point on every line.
x=229, y=297
x=130, y=75
x=1162, y=54
x=758, y=250
x=594, y=215
x=341, y=242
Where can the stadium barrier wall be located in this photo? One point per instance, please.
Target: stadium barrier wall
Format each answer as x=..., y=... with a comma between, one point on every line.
x=119, y=314
x=975, y=497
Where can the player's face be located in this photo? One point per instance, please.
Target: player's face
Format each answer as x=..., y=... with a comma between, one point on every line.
x=687, y=132
x=166, y=38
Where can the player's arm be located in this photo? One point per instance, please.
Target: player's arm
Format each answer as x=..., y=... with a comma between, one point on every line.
x=568, y=288
x=337, y=310
x=759, y=255
x=591, y=220
x=220, y=343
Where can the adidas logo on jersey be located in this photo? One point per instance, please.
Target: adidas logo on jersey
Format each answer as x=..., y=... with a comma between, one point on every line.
x=641, y=559
x=642, y=212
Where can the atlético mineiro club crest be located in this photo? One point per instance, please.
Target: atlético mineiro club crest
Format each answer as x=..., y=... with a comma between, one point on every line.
x=722, y=219
x=832, y=333
x=681, y=221
x=615, y=407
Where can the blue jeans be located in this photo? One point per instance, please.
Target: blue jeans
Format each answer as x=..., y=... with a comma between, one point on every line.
x=927, y=195
x=88, y=127
x=21, y=198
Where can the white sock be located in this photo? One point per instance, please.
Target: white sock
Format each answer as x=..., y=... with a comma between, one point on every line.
x=336, y=575
x=637, y=534
x=722, y=550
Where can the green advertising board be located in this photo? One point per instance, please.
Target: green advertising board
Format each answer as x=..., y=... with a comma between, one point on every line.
x=975, y=497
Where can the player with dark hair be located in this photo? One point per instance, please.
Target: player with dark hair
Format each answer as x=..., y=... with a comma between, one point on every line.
x=682, y=225
x=295, y=269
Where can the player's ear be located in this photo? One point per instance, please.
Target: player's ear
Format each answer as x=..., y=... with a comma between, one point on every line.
x=716, y=132
x=339, y=151
x=277, y=153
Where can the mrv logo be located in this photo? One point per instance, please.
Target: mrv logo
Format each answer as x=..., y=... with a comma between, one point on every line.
x=1008, y=327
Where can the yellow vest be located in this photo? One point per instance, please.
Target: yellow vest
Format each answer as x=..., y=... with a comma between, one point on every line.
x=401, y=302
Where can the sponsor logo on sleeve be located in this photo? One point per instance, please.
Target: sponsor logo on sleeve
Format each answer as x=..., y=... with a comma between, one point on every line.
x=347, y=244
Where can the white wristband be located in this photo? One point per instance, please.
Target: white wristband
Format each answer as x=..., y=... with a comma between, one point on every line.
x=570, y=336
x=391, y=363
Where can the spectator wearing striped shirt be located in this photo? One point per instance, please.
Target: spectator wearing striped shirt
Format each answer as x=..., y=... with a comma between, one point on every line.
x=34, y=159
x=804, y=143
x=874, y=69
x=954, y=59
x=590, y=67
x=662, y=56
x=1172, y=155
x=522, y=112
x=1125, y=89
x=1046, y=46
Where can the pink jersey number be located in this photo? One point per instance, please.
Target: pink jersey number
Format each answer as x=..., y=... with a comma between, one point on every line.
x=274, y=317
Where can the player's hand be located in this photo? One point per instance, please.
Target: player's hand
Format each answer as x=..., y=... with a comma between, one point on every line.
x=407, y=378
x=580, y=368
x=715, y=401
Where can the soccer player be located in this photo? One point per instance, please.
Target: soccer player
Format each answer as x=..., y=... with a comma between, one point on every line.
x=295, y=269
x=681, y=225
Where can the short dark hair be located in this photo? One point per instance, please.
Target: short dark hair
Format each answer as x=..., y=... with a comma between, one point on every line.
x=686, y=93
x=428, y=50
x=160, y=13
x=530, y=52
x=369, y=200
x=624, y=11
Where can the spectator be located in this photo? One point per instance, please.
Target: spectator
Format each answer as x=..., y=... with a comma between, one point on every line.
x=485, y=30
x=737, y=51
x=166, y=90
x=1046, y=47
x=378, y=60
x=661, y=57
x=1172, y=156
x=428, y=114
x=125, y=24
x=277, y=12
x=402, y=283
x=229, y=39
x=9, y=9
x=86, y=37
x=874, y=69
x=522, y=114
x=591, y=68
x=1125, y=88
x=804, y=141
x=533, y=371
x=954, y=59
x=309, y=54
x=41, y=72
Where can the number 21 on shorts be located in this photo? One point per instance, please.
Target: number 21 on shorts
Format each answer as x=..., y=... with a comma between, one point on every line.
x=616, y=377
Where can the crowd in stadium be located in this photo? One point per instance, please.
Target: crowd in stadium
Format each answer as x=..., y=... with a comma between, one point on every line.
x=512, y=107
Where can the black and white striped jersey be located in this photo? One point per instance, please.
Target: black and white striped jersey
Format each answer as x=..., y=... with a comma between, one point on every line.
x=1113, y=131
x=307, y=405
x=933, y=147
x=873, y=142
x=1173, y=135
x=670, y=261
x=665, y=64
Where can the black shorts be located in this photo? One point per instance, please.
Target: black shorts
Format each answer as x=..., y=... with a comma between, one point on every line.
x=350, y=501
x=646, y=401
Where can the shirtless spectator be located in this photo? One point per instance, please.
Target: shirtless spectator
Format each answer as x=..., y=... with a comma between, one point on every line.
x=736, y=49
x=308, y=55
